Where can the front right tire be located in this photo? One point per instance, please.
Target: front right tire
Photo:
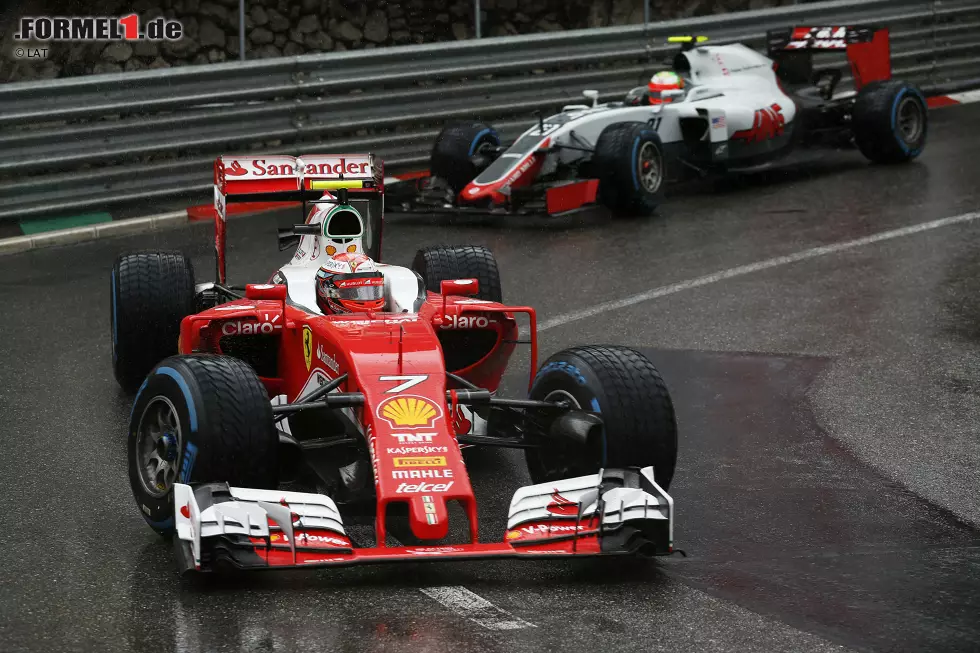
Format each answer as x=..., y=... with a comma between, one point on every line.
x=455, y=153
x=626, y=390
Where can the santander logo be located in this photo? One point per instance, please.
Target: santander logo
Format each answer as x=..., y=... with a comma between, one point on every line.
x=235, y=170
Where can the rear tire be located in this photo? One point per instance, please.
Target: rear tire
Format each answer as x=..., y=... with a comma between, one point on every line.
x=150, y=293
x=454, y=149
x=443, y=263
x=627, y=391
x=890, y=121
x=221, y=431
x=629, y=163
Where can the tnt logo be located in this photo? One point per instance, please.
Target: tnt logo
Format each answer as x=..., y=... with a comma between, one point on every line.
x=768, y=123
x=414, y=438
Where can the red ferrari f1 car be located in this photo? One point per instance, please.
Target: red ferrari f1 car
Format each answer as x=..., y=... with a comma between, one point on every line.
x=262, y=427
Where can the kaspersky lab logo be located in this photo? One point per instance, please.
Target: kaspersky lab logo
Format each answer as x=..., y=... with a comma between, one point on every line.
x=97, y=28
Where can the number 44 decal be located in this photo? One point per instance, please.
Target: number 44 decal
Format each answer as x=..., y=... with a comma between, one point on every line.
x=408, y=381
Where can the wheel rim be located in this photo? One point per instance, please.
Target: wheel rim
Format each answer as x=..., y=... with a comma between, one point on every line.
x=158, y=445
x=910, y=119
x=649, y=167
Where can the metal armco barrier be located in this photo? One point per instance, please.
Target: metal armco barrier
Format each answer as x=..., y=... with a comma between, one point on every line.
x=102, y=141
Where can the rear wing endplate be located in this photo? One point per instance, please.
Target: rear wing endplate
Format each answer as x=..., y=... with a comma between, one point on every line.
x=868, y=50
x=818, y=38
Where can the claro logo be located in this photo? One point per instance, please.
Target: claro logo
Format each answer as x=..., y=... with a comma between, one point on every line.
x=250, y=327
x=467, y=322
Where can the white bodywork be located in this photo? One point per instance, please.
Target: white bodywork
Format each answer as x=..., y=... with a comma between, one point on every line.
x=274, y=514
x=249, y=513
x=728, y=85
x=531, y=504
x=402, y=286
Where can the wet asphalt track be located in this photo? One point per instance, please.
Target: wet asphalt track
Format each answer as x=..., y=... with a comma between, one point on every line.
x=828, y=480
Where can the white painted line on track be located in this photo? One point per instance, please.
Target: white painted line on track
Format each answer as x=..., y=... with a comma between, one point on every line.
x=814, y=252
x=475, y=608
x=74, y=235
x=472, y=606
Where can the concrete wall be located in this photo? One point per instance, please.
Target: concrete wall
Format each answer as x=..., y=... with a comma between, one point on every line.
x=290, y=27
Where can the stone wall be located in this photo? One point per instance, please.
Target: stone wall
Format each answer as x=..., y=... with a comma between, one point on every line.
x=277, y=28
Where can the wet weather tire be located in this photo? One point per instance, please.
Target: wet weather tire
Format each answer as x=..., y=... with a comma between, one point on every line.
x=150, y=293
x=627, y=391
x=629, y=163
x=438, y=264
x=455, y=153
x=199, y=419
x=890, y=121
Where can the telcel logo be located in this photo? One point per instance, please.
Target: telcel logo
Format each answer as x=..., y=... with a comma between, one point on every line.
x=414, y=488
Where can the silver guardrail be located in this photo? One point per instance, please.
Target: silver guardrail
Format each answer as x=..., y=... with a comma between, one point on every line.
x=102, y=141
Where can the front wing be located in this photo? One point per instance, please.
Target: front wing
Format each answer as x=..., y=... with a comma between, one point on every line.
x=617, y=511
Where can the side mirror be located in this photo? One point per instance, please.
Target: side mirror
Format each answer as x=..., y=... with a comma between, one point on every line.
x=592, y=95
x=266, y=291
x=289, y=236
x=466, y=287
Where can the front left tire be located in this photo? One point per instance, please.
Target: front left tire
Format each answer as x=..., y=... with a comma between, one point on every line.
x=199, y=419
x=630, y=165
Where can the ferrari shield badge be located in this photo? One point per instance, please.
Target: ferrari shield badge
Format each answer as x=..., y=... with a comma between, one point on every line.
x=307, y=346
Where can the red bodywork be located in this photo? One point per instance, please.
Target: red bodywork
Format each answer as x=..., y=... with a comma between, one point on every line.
x=397, y=362
x=277, y=174
x=868, y=49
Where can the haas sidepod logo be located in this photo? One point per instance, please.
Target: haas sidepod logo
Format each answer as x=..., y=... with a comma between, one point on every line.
x=768, y=123
x=409, y=412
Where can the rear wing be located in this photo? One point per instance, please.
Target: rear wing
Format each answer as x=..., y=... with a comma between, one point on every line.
x=288, y=179
x=868, y=51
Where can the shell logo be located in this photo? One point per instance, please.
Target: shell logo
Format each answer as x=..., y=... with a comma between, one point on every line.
x=513, y=535
x=409, y=412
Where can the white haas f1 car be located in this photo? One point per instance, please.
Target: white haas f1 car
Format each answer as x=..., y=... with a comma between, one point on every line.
x=731, y=109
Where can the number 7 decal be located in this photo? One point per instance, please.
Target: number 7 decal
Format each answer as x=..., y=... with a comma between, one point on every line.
x=410, y=381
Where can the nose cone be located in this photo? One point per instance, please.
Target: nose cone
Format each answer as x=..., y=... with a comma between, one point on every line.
x=481, y=195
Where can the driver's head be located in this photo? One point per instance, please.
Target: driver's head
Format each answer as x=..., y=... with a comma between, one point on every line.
x=349, y=283
x=665, y=80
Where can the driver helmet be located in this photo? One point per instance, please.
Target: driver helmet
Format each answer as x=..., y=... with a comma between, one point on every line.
x=349, y=283
x=665, y=80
